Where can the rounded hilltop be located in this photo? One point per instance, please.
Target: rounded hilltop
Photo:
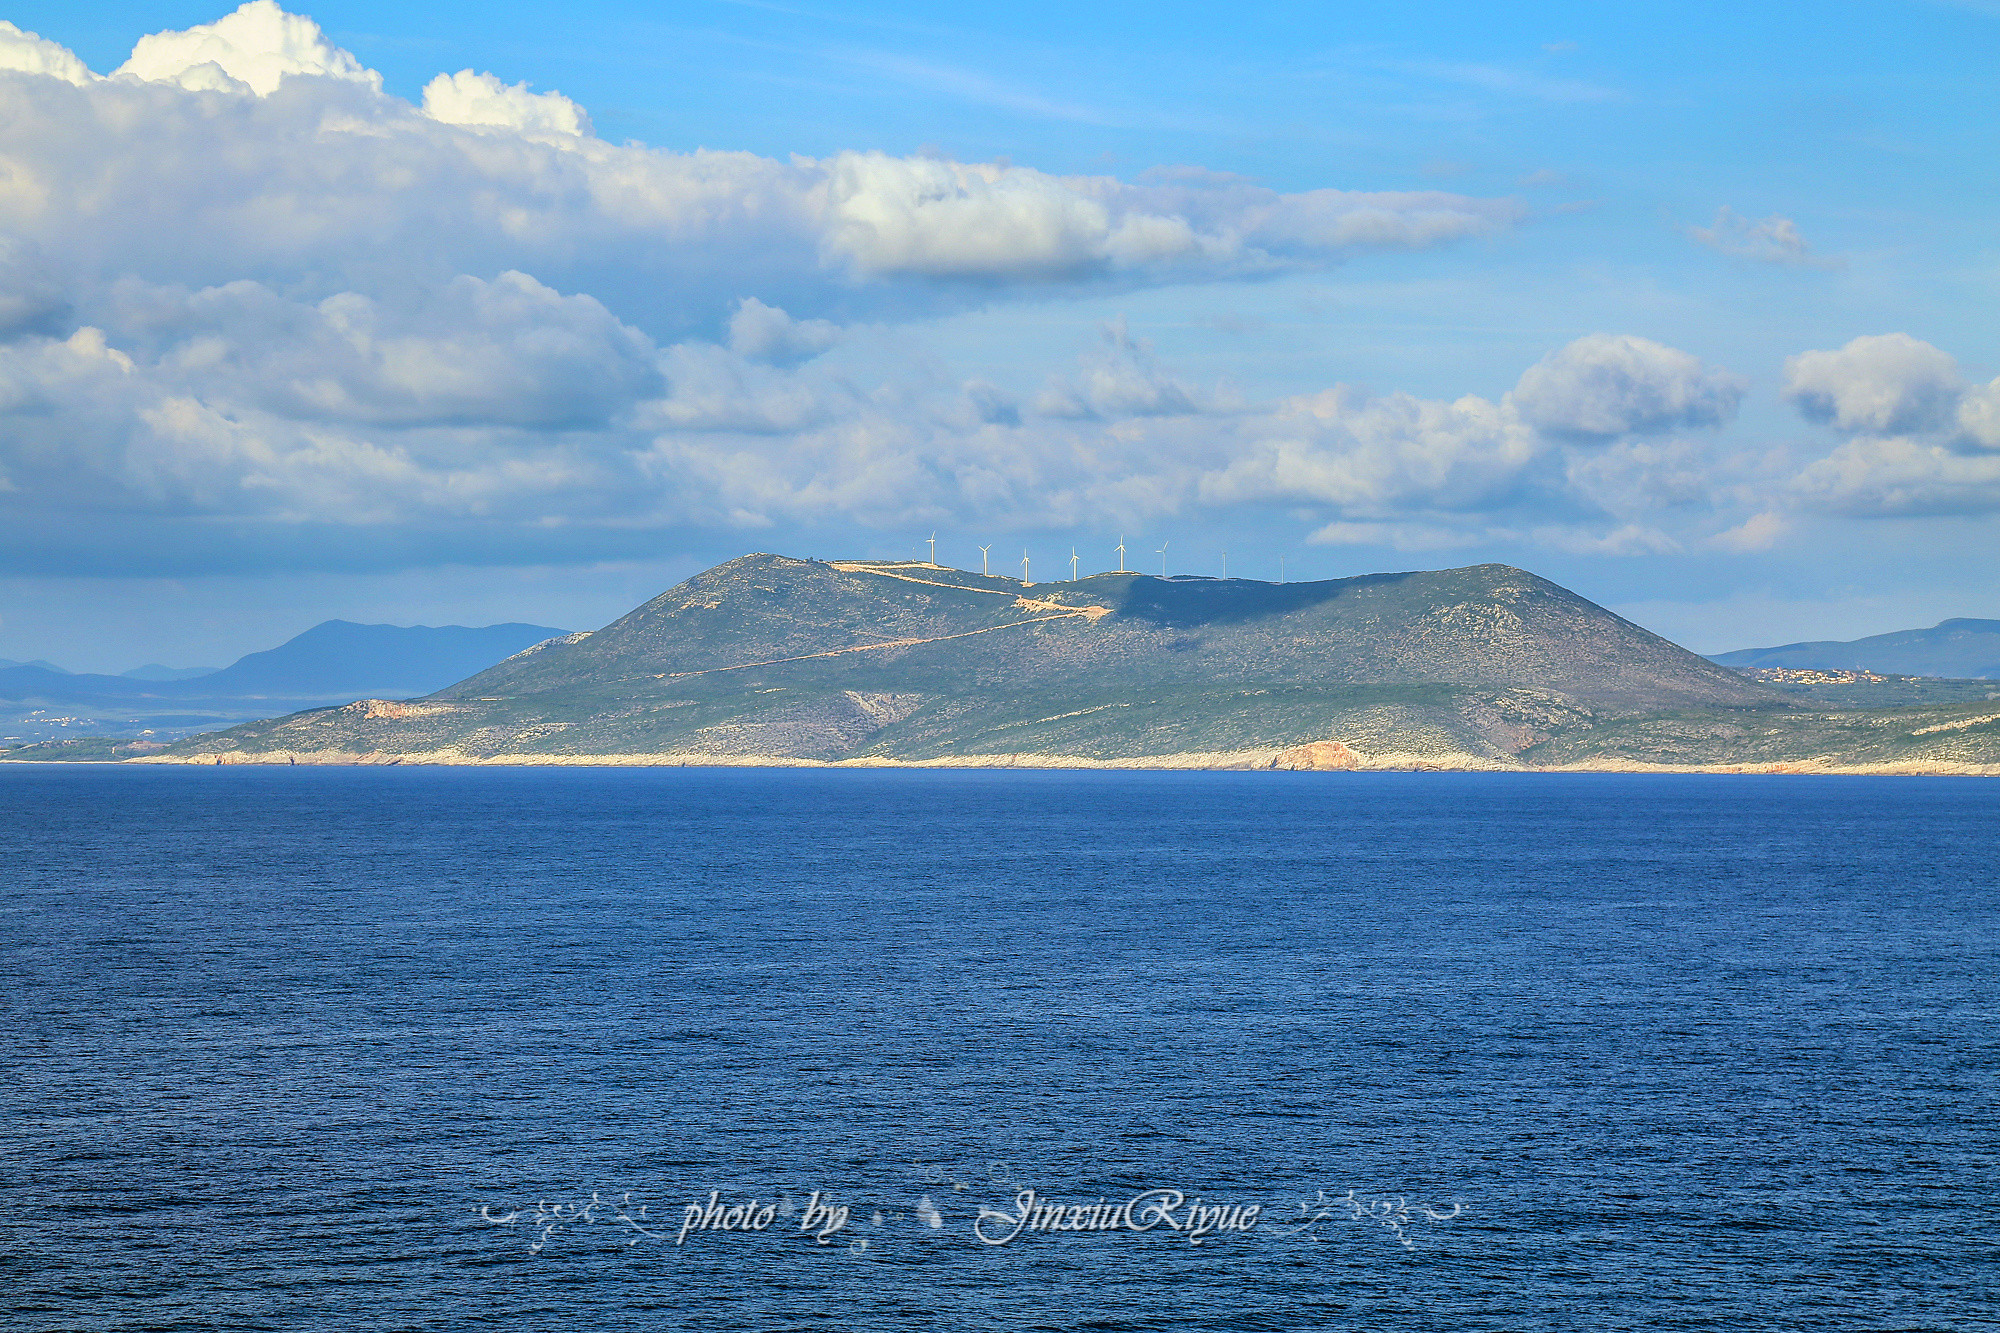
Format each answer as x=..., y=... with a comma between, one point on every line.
x=770, y=658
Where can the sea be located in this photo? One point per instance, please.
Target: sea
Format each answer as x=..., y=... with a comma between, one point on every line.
x=596, y=1049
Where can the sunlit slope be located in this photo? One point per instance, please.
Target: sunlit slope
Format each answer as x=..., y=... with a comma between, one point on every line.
x=802, y=659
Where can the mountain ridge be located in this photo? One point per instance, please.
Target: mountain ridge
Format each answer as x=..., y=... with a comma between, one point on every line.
x=675, y=632
x=1959, y=648
x=768, y=659
x=329, y=658
x=771, y=659
x=331, y=663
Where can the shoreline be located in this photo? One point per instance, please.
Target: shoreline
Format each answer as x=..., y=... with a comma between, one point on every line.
x=1324, y=757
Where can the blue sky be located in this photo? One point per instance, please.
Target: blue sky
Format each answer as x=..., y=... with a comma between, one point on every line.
x=1686, y=306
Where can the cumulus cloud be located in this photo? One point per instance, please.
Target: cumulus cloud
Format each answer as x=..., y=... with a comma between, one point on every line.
x=1881, y=385
x=928, y=217
x=467, y=98
x=1921, y=438
x=503, y=400
x=718, y=391
x=509, y=352
x=88, y=430
x=766, y=333
x=1901, y=477
x=1759, y=532
x=1117, y=437
x=241, y=285
x=253, y=148
x=26, y=53
x=256, y=49
x=1771, y=240
x=1604, y=385
x=32, y=299
x=1369, y=454
x=1978, y=416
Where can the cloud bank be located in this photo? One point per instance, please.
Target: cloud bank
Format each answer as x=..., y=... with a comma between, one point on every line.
x=1921, y=440
x=253, y=148
x=507, y=402
x=251, y=303
x=240, y=283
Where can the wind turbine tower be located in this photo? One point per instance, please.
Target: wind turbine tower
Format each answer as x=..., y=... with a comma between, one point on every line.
x=983, y=558
x=933, y=548
x=1024, y=569
x=1225, y=564
x=1072, y=564
x=1121, y=553
x=1162, y=553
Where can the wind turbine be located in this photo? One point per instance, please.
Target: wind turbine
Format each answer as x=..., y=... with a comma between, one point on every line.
x=1072, y=564
x=982, y=559
x=1225, y=564
x=1162, y=553
x=933, y=548
x=1121, y=553
x=1281, y=569
x=1024, y=569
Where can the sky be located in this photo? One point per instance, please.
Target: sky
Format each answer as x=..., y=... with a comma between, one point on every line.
x=453, y=314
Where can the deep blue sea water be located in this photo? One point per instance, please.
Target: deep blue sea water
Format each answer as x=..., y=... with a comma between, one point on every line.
x=1609, y=1052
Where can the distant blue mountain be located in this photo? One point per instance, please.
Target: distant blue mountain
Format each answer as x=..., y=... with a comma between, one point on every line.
x=35, y=680
x=154, y=671
x=1960, y=649
x=339, y=657
x=330, y=663
x=38, y=664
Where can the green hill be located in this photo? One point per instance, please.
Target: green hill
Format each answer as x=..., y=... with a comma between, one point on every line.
x=770, y=659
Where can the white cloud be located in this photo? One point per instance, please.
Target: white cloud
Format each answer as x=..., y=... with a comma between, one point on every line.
x=935, y=218
x=1371, y=455
x=32, y=299
x=258, y=47
x=509, y=352
x=245, y=285
x=1881, y=385
x=1630, y=476
x=1771, y=240
x=1603, y=385
x=1117, y=438
x=466, y=98
x=1760, y=532
x=952, y=219
x=26, y=53
x=1979, y=416
x=1920, y=436
x=714, y=390
x=1898, y=476
x=504, y=401
x=85, y=430
x=766, y=333
x=1120, y=379
x=253, y=148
